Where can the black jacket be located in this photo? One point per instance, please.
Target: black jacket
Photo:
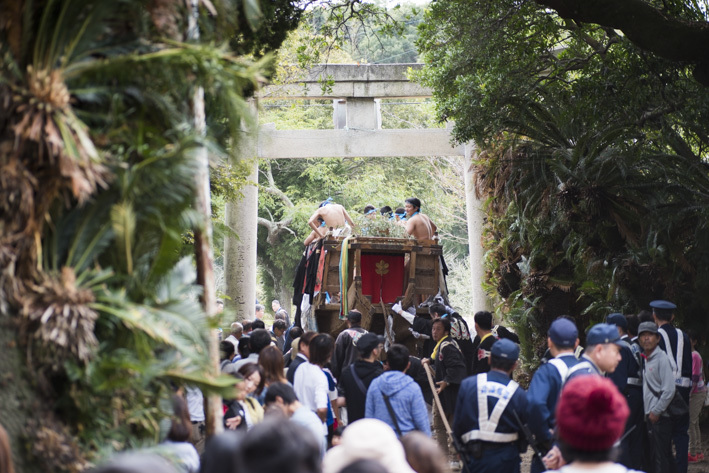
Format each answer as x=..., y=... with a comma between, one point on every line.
x=349, y=389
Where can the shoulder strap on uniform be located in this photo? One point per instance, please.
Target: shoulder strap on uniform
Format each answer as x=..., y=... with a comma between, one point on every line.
x=561, y=367
x=583, y=364
x=680, y=351
x=487, y=430
x=668, y=350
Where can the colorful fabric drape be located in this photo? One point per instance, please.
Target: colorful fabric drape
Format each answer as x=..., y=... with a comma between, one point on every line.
x=344, y=276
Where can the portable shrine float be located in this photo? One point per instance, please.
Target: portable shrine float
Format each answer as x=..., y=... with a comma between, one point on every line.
x=370, y=274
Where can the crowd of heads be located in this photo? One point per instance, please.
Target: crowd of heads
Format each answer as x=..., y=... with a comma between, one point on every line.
x=591, y=413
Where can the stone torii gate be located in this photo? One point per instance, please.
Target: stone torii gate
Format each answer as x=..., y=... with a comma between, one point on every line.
x=355, y=93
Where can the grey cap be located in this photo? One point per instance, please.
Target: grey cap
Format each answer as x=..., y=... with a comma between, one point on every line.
x=647, y=327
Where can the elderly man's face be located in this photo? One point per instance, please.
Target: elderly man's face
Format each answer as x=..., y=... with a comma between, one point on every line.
x=648, y=341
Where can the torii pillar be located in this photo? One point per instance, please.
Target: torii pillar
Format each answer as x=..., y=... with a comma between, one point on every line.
x=360, y=87
x=242, y=218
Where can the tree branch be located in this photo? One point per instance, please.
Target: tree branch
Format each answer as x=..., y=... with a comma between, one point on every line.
x=647, y=27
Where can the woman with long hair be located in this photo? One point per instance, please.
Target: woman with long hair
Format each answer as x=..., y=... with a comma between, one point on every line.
x=177, y=441
x=271, y=361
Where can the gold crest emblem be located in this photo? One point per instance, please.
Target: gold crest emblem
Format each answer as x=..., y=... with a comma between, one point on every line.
x=382, y=268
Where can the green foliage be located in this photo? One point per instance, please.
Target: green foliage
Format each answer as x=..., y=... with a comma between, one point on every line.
x=594, y=162
x=104, y=165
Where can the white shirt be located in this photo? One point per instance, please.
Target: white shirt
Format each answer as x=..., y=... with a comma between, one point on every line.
x=195, y=403
x=311, y=388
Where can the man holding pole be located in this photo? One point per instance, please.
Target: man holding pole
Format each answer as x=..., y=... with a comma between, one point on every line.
x=449, y=365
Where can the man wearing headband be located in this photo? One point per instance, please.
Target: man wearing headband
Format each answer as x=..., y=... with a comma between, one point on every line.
x=332, y=215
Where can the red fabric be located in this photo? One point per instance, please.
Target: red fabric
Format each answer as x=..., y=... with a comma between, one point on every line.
x=391, y=284
x=591, y=413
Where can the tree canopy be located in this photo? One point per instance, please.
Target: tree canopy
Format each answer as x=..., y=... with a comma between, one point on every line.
x=593, y=153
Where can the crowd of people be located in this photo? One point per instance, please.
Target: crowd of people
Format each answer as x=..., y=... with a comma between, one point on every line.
x=628, y=401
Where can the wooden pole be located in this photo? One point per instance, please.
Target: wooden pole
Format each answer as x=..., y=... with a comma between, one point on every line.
x=204, y=255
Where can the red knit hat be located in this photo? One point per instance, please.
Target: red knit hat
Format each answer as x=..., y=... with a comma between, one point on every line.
x=591, y=413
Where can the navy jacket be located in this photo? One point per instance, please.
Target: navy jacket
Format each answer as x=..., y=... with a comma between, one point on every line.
x=467, y=415
x=542, y=396
x=686, y=368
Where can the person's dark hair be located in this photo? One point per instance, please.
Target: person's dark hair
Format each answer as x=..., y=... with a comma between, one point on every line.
x=260, y=339
x=400, y=210
x=499, y=363
x=484, y=319
x=271, y=361
x=423, y=453
x=398, y=357
x=445, y=322
x=368, y=208
x=6, y=465
x=306, y=338
x=248, y=369
x=279, y=324
x=365, y=465
x=248, y=325
x=663, y=314
x=283, y=390
x=354, y=317
x=321, y=348
x=243, y=346
x=694, y=336
x=274, y=446
x=181, y=427
x=633, y=323
x=437, y=308
x=295, y=332
x=386, y=210
x=226, y=349
x=257, y=324
x=414, y=201
x=645, y=316
x=572, y=454
x=222, y=453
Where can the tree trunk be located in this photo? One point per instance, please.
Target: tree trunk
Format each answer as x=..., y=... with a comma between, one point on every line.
x=204, y=254
x=476, y=220
x=17, y=397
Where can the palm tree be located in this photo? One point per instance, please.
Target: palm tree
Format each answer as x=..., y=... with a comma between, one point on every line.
x=574, y=214
x=96, y=177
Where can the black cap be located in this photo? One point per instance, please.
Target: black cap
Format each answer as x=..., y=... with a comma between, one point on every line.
x=368, y=342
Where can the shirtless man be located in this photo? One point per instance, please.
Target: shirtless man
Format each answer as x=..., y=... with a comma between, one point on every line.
x=417, y=224
x=317, y=233
x=334, y=215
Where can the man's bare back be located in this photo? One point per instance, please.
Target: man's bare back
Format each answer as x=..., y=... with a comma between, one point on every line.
x=420, y=227
x=334, y=216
